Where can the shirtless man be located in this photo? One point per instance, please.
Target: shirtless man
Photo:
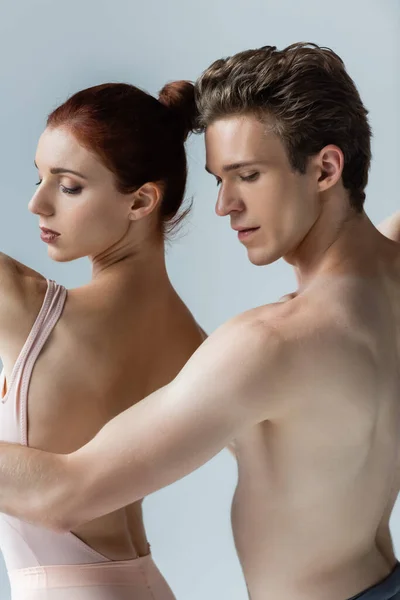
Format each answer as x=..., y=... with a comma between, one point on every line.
x=306, y=390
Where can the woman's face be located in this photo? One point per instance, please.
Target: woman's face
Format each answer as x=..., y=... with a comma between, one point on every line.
x=77, y=198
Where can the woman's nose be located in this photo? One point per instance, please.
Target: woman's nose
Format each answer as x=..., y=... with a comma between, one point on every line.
x=40, y=204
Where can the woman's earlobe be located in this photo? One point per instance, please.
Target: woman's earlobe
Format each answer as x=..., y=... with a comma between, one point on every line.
x=145, y=201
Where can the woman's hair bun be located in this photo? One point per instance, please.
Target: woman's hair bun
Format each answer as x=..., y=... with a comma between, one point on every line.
x=179, y=97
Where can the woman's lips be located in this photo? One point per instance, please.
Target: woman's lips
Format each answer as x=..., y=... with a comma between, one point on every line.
x=48, y=235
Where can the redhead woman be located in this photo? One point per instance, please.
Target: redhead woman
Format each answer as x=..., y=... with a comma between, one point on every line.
x=112, y=173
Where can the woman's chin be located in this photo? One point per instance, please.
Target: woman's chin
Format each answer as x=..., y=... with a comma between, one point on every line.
x=61, y=256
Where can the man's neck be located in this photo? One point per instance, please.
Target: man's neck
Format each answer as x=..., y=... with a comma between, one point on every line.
x=341, y=240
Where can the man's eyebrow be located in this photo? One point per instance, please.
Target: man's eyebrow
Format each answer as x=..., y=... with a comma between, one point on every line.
x=237, y=165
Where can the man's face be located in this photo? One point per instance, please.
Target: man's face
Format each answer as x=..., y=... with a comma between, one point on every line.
x=272, y=206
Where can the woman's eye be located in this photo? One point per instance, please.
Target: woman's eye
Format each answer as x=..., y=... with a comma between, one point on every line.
x=218, y=182
x=74, y=190
x=251, y=177
x=39, y=182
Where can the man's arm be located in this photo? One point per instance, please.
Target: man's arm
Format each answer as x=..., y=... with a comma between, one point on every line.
x=219, y=393
x=390, y=227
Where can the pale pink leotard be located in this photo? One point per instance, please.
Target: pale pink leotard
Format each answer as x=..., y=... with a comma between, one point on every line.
x=44, y=564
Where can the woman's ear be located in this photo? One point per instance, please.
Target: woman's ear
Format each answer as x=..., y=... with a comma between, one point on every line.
x=145, y=200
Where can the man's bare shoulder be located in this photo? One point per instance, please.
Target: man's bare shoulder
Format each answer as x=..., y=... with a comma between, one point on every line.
x=239, y=346
x=233, y=367
x=251, y=361
x=261, y=341
x=258, y=339
x=279, y=321
x=282, y=333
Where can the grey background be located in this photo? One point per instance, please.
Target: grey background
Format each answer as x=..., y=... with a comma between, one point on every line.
x=50, y=49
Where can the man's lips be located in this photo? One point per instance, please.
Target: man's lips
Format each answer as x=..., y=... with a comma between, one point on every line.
x=245, y=232
x=239, y=229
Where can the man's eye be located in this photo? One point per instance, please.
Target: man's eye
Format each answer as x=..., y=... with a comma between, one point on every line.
x=251, y=177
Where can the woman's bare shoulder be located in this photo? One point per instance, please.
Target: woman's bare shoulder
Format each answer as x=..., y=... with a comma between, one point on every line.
x=15, y=270
x=20, y=287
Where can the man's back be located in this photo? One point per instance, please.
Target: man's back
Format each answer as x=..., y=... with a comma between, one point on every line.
x=318, y=481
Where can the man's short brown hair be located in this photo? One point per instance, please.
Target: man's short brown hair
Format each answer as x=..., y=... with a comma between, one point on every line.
x=305, y=93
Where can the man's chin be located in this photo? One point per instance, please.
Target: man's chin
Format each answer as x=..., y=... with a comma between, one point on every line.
x=261, y=258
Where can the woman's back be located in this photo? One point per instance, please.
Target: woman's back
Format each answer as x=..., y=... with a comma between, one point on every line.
x=111, y=346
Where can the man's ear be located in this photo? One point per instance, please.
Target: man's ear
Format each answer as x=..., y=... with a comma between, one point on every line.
x=329, y=162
